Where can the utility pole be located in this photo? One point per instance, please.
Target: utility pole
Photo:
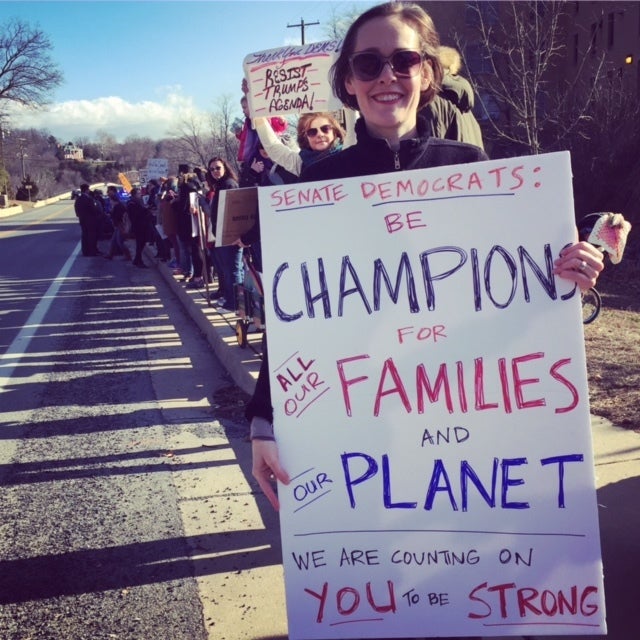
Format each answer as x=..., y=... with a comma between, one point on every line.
x=21, y=142
x=3, y=187
x=302, y=25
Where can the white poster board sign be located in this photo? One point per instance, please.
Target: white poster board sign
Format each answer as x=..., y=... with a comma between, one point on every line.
x=431, y=407
x=157, y=168
x=291, y=79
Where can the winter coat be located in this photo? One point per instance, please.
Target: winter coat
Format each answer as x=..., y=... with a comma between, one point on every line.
x=459, y=92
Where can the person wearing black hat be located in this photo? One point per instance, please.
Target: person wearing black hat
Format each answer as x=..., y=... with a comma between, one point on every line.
x=88, y=215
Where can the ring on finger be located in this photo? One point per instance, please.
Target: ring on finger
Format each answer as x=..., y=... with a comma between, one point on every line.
x=583, y=266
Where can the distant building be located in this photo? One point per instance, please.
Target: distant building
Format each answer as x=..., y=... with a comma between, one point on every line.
x=610, y=29
x=71, y=152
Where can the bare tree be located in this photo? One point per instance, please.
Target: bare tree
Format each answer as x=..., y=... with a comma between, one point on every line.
x=107, y=144
x=605, y=158
x=513, y=63
x=136, y=151
x=27, y=74
x=518, y=46
x=340, y=21
x=198, y=137
x=224, y=142
x=82, y=141
x=189, y=140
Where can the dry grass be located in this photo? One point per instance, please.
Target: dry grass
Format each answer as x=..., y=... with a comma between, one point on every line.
x=613, y=346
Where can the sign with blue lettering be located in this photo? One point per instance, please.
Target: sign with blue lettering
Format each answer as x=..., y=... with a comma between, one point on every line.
x=430, y=398
x=291, y=79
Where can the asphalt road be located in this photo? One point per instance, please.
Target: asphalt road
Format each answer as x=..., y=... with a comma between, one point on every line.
x=110, y=526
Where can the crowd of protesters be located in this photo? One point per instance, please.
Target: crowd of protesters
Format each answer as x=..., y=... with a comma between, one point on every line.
x=178, y=214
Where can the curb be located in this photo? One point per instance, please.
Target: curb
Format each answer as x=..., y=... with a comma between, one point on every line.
x=242, y=364
x=6, y=212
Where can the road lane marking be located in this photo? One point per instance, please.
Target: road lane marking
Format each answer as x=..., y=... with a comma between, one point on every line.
x=10, y=359
x=22, y=227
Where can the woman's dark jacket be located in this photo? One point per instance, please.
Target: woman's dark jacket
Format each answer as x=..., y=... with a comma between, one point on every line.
x=140, y=217
x=222, y=184
x=458, y=92
x=367, y=157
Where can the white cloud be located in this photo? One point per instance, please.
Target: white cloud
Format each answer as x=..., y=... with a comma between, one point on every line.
x=83, y=118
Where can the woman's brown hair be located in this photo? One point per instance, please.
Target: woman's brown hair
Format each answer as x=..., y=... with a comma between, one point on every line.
x=305, y=122
x=415, y=17
x=228, y=171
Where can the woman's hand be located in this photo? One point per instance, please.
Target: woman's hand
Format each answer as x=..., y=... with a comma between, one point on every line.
x=257, y=166
x=266, y=469
x=581, y=263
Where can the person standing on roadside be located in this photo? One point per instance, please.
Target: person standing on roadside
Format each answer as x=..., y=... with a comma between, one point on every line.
x=87, y=211
x=227, y=260
x=120, y=221
x=167, y=217
x=182, y=210
x=388, y=69
x=140, y=225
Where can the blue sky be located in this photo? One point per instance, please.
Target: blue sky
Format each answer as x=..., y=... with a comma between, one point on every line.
x=135, y=68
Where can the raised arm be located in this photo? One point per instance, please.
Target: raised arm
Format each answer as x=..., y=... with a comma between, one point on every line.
x=286, y=157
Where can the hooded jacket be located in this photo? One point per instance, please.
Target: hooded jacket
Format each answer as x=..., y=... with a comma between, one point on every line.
x=459, y=92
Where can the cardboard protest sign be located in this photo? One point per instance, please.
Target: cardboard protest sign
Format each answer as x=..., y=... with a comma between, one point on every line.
x=124, y=181
x=291, y=79
x=237, y=213
x=430, y=402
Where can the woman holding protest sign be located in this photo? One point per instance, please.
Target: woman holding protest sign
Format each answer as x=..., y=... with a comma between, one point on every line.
x=388, y=69
x=319, y=136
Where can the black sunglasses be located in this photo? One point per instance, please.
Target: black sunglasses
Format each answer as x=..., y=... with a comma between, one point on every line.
x=312, y=132
x=368, y=65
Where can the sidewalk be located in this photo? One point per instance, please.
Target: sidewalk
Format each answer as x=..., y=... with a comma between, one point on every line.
x=242, y=364
x=616, y=453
